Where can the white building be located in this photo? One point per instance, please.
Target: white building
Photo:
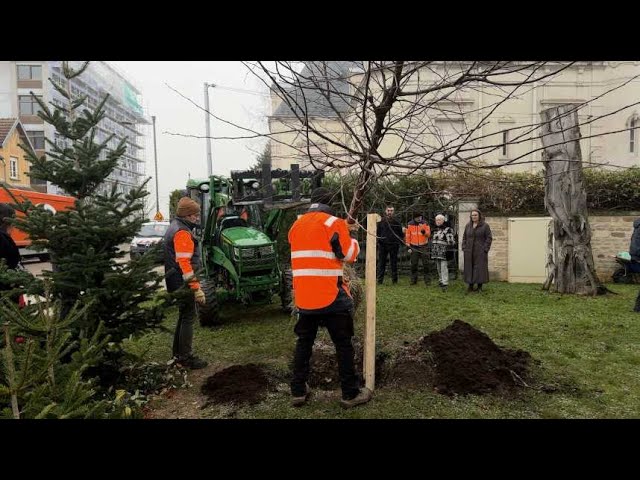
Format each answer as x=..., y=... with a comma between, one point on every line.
x=123, y=110
x=593, y=83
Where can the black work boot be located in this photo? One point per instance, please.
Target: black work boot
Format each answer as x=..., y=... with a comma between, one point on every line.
x=302, y=399
x=363, y=397
x=192, y=362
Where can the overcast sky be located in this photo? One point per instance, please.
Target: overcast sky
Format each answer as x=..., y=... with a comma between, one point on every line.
x=177, y=156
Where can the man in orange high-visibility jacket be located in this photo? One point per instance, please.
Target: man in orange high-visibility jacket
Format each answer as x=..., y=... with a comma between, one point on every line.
x=181, y=261
x=320, y=244
x=417, y=238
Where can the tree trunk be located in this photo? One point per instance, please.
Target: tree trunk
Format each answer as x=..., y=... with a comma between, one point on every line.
x=566, y=201
x=11, y=372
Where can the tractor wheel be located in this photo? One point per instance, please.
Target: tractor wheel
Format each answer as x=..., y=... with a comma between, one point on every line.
x=286, y=290
x=209, y=313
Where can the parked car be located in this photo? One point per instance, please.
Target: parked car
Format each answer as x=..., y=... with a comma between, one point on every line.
x=150, y=235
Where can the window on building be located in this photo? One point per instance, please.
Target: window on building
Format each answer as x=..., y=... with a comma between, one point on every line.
x=632, y=135
x=29, y=72
x=28, y=105
x=13, y=168
x=37, y=139
x=505, y=142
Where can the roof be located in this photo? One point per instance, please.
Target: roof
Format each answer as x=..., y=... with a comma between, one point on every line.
x=7, y=126
x=312, y=96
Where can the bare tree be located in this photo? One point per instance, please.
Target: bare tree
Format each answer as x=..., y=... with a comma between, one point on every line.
x=394, y=121
x=391, y=118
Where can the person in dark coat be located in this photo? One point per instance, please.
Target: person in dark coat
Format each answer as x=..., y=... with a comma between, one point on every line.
x=390, y=237
x=634, y=246
x=634, y=251
x=476, y=242
x=8, y=249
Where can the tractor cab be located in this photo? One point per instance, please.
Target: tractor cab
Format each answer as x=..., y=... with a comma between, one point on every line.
x=240, y=220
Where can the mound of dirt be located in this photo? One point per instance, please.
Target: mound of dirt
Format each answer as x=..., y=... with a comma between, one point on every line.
x=460, y=359
x=238, y=384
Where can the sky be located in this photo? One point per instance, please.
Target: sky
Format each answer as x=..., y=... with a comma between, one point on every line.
x=179, y=157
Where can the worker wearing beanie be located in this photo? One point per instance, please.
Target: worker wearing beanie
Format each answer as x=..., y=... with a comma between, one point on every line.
x=182, y=261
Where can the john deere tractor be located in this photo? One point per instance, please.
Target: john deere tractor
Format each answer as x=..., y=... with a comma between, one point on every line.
x=240, y=221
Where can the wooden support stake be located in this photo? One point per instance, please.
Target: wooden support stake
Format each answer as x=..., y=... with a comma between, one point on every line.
x=369, y=367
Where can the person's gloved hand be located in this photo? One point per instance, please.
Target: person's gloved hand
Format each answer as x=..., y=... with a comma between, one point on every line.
x=200, y=297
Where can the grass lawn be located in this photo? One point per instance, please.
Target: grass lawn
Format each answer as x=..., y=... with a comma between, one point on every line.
x=588, y=349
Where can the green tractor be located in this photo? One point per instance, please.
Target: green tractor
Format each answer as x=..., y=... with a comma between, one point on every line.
x=240, y=222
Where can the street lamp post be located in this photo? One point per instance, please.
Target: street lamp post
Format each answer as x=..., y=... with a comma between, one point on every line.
x=155, y=161
x=158, y=215
x=207, y=119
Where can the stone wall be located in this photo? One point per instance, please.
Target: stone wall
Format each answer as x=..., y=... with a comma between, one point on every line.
x=610, y=234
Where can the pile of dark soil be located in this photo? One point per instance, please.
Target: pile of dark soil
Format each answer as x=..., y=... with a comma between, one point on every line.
x=460, y=359
x=238, y=384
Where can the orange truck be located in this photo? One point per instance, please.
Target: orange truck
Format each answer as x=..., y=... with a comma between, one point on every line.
x=51, y=202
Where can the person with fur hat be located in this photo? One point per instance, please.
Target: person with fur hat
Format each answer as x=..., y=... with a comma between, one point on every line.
x=441, y=239
x=320, y=245
x=182, y=261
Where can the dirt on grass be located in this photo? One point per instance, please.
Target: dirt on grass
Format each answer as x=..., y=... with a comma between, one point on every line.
x=457, y=360
x=324, y=364
x=239, y=384
x=460, y=359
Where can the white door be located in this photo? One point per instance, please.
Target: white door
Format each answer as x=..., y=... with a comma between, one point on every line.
x=528, y=249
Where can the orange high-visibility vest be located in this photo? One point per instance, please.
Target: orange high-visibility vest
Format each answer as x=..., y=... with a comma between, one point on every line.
x=414, y=235
x=184, y=247
x=316, y=268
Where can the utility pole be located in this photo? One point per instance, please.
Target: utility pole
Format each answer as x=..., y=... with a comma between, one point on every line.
x=207, y=120
x=158, y=215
